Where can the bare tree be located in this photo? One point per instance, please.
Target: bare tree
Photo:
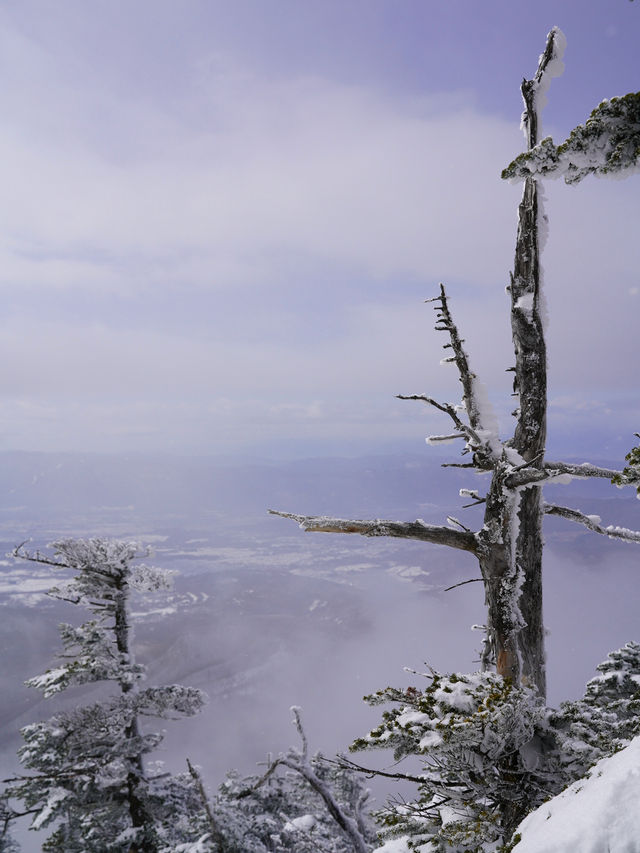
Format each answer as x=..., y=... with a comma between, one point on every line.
x=509, y=545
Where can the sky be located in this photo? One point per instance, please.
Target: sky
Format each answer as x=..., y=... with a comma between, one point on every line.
x=220, y=221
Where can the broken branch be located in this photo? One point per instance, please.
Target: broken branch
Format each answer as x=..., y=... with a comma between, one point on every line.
x=593, y=522
x=463, y=540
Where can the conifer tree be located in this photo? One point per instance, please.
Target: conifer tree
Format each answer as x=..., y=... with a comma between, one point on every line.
x=479, y=741
x=607, y=717
x=88, y=776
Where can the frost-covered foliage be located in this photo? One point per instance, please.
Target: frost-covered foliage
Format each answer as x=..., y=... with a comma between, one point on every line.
x=632, y=470
x=490, y=753
x=483, y=747
x=608, y=144
x=607, y=717
x=301, y=804
x=88, y=781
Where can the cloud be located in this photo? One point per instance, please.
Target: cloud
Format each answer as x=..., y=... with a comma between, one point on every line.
x=105, y=193
x=269, y=240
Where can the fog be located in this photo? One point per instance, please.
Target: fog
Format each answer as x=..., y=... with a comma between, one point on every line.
x=264, y=616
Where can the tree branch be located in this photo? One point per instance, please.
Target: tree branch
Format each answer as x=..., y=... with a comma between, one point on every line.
x=467, y=431
x=463, y=540
x=445, y=323
x=593, y=522
x=345, y=762
x=216, y=835
x=462, y=583
x=553, y=470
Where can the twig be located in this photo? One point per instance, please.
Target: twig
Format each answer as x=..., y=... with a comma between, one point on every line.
x=462, y=583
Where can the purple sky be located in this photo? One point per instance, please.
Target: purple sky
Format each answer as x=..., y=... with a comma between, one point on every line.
x=220, y=220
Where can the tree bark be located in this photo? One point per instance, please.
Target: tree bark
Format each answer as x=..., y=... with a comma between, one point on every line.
x=140, y=817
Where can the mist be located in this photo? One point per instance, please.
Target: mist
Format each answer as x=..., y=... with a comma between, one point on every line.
x=264, y=616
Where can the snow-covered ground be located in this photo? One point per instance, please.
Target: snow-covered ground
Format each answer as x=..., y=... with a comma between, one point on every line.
x=598, y=814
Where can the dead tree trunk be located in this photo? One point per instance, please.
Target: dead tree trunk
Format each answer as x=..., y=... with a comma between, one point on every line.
x=509, y=545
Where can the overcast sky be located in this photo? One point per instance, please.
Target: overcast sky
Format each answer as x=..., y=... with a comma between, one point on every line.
x=219, y=220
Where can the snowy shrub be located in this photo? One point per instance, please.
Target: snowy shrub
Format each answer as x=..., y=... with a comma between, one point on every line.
x=484, y=748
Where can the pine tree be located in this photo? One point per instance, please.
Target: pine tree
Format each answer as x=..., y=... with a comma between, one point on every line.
x=89, y=781
x=607, y=717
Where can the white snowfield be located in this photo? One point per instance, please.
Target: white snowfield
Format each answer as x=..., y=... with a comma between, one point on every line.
x=598, y=814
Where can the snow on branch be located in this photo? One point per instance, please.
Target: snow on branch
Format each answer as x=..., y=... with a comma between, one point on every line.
x=593, y=522
x=481, y=433
x=564, y=472
x=463, y=540
x=464, y=430
x=607, y=145
x=298, y=761
x=534, y=91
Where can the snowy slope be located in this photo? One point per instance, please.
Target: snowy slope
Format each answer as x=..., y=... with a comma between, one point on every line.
x=596, y=814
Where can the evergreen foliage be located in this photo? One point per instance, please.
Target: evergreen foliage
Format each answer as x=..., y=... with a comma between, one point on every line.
x=608, y=144
x=630, y=471
x=89, y=783
x=490, y=753
x=480, y=743
x=607, y=717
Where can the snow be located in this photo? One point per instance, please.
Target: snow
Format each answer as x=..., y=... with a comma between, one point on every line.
x=443, y=439
x=596, y=814
x=488, y=418
x=456, y=696
x=305, y=823
x=525, y=302
x=396, y=845
x=409, y=717
x=430, y=740
x=560, y=479
x=555, y=68
x=56, y=796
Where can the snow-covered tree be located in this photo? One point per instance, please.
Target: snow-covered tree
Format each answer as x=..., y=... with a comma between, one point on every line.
x=479, y=742
x=606, y=718
x=301, y=803
x=88, y=779
x=509, y=545
x=489, y=753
